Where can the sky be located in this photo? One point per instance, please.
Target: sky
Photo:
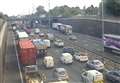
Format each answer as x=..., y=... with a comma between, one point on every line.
x=23, y=7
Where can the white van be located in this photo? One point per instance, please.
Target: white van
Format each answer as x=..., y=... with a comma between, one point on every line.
x=66, y=58
x=92, y=76
x=48, y=61
x=47, y=42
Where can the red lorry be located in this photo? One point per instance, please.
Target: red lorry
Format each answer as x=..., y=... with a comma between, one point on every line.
x=27, y=52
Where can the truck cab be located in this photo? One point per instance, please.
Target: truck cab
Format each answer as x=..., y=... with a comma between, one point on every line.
x=31, y=75
x=92, y=76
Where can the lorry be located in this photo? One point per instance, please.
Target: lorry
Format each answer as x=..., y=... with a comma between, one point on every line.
x=92, y=76
x=56, y=26
x=27, y=52
x=48, y=62
x=32, y=75
x=41, y=47
x=21, y=35
x=66, y=29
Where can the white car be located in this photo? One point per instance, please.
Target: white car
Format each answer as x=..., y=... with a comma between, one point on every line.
x=66, y=58
x=59, y=43
x=82, y=56
x=37, y=30
x=72, y=37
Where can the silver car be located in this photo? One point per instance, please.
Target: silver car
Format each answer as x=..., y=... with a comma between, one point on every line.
x=61, y=74
x=95, y=64
x=72, y=37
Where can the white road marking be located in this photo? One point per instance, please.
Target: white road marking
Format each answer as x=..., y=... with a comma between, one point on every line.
x=18, y=62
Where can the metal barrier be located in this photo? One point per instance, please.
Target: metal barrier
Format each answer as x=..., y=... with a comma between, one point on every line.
x=3, y=41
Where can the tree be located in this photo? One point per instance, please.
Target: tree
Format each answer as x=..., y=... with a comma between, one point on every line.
x=112, y=7
x=40, y=11
x=64, y=11
x=92, y=10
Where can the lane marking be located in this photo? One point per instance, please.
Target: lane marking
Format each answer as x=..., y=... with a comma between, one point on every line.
x=18, y=61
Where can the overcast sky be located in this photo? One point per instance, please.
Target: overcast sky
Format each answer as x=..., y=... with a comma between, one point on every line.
x=22, y=7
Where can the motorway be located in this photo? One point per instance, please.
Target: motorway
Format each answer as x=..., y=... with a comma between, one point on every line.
x=13, y=74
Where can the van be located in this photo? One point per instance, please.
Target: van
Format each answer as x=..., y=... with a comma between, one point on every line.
x=48, y=62
x=47, y=42
x=66, y=58
x=92, y=76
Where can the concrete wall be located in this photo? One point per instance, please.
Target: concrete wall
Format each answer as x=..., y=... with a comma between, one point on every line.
x=3, y=40
x=92, y=27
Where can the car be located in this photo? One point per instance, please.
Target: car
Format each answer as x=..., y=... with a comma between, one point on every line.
x=92, y=76
x=61, y=74
x=72, y=37
x=37, y=31
x=59, y=43
x=113, y=76
x=32, y=34
x=95, y=64
x=66, y=58
x=41, y=34
x=82, y=56
x=68, y=50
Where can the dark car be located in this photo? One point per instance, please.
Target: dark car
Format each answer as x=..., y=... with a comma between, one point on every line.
x=113, y=76
x=95, y=64
x=68, y=50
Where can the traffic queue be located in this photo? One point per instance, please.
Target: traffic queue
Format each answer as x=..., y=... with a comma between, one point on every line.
x=35, y=45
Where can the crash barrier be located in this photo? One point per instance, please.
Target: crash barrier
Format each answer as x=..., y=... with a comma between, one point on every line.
x=3, y=42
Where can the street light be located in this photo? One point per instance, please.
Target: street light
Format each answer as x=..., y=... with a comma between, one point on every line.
x=102, y=21
x=49, y=15
x=102, y=18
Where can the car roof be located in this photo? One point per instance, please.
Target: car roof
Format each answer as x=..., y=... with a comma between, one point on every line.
x=66, y=54
x=116, y=71
x=60, y=69
x=48, y=57
x=93, y=72
x=96, y=61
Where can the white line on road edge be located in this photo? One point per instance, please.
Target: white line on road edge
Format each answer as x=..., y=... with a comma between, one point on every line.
x=18, y=62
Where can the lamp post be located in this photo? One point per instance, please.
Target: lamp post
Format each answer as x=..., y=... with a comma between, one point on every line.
x=102, y=19
x=49, y=15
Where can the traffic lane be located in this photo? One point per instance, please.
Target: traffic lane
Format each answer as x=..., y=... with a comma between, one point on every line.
x=83, y=42
x=74, y=70
x=94, y=39
x=90, y=46
x=78, y=69
x=11, y=67
x=93, y=46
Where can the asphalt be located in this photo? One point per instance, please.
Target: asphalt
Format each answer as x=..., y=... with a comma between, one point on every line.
x=12, y=73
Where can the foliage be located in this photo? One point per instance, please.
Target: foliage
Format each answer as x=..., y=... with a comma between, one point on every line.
x=40, y=11
x=64, y=11
x=112, y=7
x=3, y=16
x=91, y=10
